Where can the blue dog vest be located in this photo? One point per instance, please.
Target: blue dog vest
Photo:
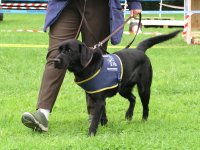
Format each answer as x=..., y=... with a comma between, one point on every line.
x=107, y=77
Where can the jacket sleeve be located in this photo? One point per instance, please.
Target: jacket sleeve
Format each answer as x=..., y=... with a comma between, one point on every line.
x=134, y=4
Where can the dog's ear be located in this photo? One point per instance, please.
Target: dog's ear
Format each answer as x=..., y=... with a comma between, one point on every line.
x=86, y=55
x=60, y=48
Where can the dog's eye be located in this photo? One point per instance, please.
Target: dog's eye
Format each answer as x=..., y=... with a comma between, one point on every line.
x=68, y=50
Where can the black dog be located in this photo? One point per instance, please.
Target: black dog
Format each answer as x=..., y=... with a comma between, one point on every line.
x=86, y=64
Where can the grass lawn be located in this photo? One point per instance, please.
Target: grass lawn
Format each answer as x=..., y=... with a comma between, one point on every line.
x=174, y=120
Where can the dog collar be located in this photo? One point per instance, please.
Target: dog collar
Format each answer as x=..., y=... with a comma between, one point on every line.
x=107, y=77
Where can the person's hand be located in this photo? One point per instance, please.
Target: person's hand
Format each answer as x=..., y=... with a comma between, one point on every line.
x=135, y=12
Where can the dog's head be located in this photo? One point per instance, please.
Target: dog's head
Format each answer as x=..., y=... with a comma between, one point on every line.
x=73, y=55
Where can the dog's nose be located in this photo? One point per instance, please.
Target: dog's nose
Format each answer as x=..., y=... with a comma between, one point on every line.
x=57, y=62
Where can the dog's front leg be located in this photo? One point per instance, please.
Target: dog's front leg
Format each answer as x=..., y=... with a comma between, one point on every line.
x=104, y=119
x=98, y=108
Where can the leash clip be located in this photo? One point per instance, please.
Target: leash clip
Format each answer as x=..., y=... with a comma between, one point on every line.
x=97, y=45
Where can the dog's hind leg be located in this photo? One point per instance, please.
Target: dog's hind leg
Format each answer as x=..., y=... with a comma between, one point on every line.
x=131, y=98
x=144, y=88
x=144, y=93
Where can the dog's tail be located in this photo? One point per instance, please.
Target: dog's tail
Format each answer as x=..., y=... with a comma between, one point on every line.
x=144, y=45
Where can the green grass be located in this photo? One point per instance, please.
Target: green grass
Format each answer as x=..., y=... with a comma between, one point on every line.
x=174, y=121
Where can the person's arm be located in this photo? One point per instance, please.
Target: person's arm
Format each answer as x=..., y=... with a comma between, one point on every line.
x=135, y=7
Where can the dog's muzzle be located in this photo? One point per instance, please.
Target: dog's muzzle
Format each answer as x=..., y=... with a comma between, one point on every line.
x=58, y=63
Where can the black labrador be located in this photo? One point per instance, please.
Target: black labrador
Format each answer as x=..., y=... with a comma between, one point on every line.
x=85, y=63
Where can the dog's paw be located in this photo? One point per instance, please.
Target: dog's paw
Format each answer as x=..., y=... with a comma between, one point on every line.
x=91, y=134
x=104, y=121
x=144, y=119
x=128, y=116
x=92, y=131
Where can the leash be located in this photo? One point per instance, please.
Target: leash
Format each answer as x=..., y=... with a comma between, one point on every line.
x=83, y=19
x=119, y=28
x=113, y=33
x=139, y=24
x=100, y=44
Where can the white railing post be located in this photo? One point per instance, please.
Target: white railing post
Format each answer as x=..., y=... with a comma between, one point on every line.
x=161, y=2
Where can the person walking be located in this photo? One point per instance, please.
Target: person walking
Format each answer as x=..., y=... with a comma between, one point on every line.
x=95, y=20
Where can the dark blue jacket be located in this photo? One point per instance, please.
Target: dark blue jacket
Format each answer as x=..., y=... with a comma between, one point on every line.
x=55, y=8
x=107, y=77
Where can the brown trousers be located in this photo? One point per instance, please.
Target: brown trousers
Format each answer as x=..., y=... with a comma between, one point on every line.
x=66, y=27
